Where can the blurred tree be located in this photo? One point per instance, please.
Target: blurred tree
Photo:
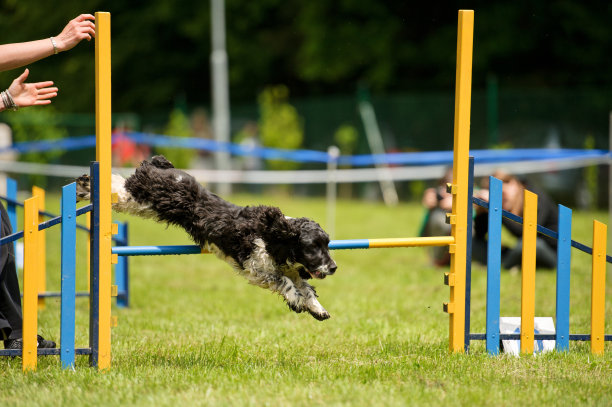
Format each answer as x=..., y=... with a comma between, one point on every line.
x=36, y=124
x=161, y=47
x=178, y=126
x=279, y=124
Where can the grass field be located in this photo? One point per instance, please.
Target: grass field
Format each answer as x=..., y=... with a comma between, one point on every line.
x=197, y=334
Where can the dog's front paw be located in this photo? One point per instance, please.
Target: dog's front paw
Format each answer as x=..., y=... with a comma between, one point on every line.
x=320, y=316
x=83, y=187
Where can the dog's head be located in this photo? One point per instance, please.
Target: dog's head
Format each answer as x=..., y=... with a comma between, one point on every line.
x=312, y=251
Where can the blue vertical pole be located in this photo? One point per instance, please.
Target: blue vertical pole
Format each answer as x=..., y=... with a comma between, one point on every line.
x=68, y=268
x=468, y=254
x=11, y=208
x=121, y=269
x=494, y=265
x=564, y=243
x=94, y=279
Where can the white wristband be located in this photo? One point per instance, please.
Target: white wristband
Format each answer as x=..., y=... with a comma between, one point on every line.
x=55, y=51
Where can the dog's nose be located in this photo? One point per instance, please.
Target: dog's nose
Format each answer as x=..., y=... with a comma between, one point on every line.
x=332, y=268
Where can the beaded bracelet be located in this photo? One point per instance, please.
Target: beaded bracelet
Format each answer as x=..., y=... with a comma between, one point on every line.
x=8, y=101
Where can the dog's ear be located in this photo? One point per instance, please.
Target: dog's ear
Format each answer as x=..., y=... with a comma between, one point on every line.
x=280, y=228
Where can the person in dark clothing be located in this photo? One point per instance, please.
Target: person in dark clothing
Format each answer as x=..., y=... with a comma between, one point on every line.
x=21, y=94
x=438, y=202
x=512, y=201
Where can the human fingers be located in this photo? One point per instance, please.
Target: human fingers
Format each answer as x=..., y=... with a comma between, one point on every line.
x=46, y=96
x=42, y=102
x=47, y=91
x=40, y=85
x=84, y=17
x=75, y=31
x=21, y=78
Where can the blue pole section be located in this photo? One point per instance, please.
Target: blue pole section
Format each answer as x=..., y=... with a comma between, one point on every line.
x=121, y=270
x=11, y=208
x=68, y=270
x=468, y=255
x=494, y=265
x=563, y=278
x=94, y=279
x=194, y=249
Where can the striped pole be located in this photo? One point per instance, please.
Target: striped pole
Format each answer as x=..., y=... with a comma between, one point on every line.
x=564, y=251
x=459, y=188
x=598, y=288
x=103, y=156
x=42, y=256
x=530, y=225
x=121, y=269
x=494, y=265
x=68, y=270
x=31, y=243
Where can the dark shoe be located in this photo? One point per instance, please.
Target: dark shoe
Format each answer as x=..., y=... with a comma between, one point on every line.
x=18, y=343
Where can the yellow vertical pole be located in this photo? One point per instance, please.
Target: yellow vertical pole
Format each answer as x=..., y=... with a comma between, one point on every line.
x=103, y=156
x=459, y=189
x=30, y=288
x=530, y=229
x=598, y=287
x=42, y=257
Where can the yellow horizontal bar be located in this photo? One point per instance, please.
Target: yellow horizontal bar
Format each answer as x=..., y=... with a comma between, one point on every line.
x=412, y=242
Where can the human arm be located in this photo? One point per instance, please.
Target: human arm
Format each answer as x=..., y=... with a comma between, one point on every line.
x=23, y=53
x=29, y=94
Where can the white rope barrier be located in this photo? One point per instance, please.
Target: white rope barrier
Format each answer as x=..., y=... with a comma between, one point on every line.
x=352, y=175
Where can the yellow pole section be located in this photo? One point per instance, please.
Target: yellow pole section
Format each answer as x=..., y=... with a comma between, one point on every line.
x=30, y=288
x=412, y=242
x=598, y=288
x=42, y=256
x=463, y=98
x=530, y=230
x=103, y=156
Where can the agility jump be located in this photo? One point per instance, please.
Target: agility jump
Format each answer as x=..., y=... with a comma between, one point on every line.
x=103, y=255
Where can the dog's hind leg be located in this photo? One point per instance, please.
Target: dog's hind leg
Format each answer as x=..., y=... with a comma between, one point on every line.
x=283, y=286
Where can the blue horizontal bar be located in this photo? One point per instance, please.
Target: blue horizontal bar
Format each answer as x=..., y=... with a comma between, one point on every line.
x=194, y=249
x=349, y=244
x=155, y=250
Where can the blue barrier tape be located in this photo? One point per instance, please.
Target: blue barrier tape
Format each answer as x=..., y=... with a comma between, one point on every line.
x=312, y=156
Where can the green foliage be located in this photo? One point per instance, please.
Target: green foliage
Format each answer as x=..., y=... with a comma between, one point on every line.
x=178, y=126
x=346, y=137
x=280, y=126
x=36, y=124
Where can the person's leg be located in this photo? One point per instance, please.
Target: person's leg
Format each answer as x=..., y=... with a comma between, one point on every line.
x=513, y=256
x=10, y=296
x=437, y=226
x=546, y=256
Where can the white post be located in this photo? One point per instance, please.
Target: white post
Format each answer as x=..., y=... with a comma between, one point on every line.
x=375, y=141
x=333, y=153
x=220, y=89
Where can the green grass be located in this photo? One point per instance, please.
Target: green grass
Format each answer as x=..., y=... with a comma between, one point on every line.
x=197, y=334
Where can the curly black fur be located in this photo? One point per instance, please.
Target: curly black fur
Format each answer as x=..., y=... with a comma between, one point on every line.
x=271, y=250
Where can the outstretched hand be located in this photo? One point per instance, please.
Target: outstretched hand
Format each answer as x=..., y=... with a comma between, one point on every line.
x=79, y=28
x=30, y=94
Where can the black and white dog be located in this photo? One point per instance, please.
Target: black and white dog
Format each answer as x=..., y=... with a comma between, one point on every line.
x=271, y=250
